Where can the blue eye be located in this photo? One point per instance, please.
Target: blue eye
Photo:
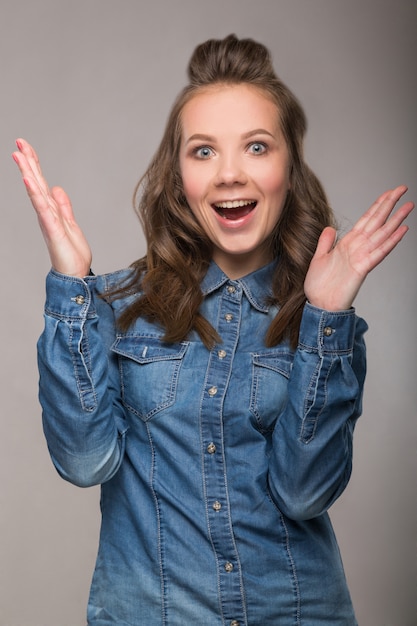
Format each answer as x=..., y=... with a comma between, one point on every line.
x=257, y=147
x=203, y=152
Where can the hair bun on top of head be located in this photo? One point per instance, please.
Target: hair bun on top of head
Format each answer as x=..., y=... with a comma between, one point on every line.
x=230, y=59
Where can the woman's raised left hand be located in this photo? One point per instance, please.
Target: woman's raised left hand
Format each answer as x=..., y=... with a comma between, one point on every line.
x=339, y=267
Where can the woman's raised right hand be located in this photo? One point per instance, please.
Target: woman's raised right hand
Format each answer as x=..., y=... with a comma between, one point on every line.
x=68, y=248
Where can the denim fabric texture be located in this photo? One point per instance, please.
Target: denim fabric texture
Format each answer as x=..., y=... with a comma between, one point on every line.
x=217, y=467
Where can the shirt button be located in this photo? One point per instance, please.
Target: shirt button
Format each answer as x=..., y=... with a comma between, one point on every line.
x=228, y=566
x=217, y=506
x=231, y=289
x=211, y=448
x=327, y=331
x=212, y=391
x=228, y=317
x=79, y=299
x=221, y=354
x=234, y=622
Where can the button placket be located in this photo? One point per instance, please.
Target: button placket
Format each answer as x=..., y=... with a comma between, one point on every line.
x=216, y=490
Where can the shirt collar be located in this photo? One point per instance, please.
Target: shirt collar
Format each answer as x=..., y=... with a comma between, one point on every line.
x=257, y=285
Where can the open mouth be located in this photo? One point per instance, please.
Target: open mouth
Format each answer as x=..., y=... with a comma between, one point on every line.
x=234, y=209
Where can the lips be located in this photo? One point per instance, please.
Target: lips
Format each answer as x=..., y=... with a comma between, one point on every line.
x=234, y=209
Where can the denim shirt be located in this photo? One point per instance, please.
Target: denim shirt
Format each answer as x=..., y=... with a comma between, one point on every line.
x=217, y=466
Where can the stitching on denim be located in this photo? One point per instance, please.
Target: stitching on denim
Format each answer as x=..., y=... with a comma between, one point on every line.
x=294, y=577
x=241, y=585
x=325, y=320
x=177, y=362
x=69, y=318
x=206, y=504
x=254, y=394
x=310, y=395
x=86, y=392
x=213, y=356
x=158, y=518
x=309, y=425
x=271, y=362
x=165, y=353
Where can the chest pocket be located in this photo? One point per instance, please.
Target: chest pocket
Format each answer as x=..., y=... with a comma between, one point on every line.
x=149, y=371
x=270, y=373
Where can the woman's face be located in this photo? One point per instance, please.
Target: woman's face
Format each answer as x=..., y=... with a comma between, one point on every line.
x=235, y=167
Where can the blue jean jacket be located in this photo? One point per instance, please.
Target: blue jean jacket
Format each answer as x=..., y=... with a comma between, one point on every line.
x=217, y=467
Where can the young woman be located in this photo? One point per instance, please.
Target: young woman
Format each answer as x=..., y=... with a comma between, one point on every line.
x=212, y=389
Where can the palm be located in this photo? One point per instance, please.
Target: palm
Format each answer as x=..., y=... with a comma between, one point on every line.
x=337, y=272
x=68, y=248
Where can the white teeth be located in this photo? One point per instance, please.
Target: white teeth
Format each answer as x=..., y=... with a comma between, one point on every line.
x=234, y=204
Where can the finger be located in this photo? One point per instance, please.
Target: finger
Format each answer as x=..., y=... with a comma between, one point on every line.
x=36, y=185
x=27, y=169
x=42, y=203
x=388, y=228
x=386, y=247
x=28, y=159
x=38, y=194
x=28, y=151
x=64, y=203
x=380, y=210
x=326, y=241
x=385, y=239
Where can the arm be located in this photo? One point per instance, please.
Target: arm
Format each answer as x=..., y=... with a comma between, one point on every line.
x=312, y=446
x=79, y=388
x=312, y=441
x=79, y=392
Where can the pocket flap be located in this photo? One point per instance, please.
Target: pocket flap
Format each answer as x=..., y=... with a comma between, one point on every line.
x=278, y=361
x=148, y=349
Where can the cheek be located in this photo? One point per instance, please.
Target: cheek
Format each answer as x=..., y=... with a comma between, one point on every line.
x=275, y=187
x=272, y=176
x=190, y=191
x=190, y=184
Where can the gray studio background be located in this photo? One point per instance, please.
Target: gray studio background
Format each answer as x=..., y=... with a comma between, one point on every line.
x=90, y=82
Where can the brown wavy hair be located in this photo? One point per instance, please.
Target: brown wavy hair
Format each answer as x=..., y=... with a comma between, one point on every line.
x=167, y=280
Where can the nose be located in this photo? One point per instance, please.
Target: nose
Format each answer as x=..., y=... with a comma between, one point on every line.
x=230, y=172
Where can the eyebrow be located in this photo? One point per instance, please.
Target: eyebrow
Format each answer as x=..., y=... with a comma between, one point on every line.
x=258, y=131
x=209, y=138
x=200, y=137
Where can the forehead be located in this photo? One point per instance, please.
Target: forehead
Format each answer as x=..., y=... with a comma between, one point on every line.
x=239, y=108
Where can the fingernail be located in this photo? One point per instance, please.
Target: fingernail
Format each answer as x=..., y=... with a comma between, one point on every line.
x=26, y=181
x=14, y=156
x=19, y=144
